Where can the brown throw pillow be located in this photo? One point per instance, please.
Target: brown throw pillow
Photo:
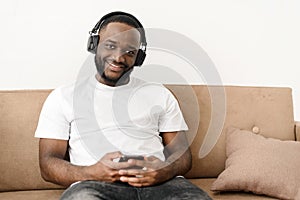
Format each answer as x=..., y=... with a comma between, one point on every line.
x=260, y=165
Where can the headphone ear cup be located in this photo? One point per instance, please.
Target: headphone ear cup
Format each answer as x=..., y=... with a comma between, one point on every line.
x=93, y=43
x=140, y=57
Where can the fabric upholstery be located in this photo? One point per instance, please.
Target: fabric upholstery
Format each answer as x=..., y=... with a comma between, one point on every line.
x=297, y=131
x=260, y=165
x=270, y=109
x=205, y=184
x=31, y=195
x=19, y=166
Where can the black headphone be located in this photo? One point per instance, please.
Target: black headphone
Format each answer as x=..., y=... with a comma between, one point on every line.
x=94, y=37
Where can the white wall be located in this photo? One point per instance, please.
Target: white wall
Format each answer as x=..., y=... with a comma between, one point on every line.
x=251, y=42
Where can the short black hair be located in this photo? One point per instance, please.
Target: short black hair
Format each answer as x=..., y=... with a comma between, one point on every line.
x=126, y=20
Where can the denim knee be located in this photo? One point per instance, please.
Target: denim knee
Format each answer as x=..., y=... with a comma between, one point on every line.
x=80, y=191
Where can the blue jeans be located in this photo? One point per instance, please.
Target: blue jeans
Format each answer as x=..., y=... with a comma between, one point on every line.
x=176, y=188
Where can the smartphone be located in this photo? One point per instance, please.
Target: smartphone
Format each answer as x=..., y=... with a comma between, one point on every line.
x=125, y=158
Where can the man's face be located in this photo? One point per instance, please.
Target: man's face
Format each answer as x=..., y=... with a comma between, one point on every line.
x=116, y=52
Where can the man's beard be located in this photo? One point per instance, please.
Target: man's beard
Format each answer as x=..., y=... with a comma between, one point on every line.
x=116, y=81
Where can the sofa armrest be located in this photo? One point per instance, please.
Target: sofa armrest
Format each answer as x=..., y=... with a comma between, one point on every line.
x=297, y=131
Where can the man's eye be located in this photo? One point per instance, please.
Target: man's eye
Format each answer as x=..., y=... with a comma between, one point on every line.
x=110, y=46
x=130, y=53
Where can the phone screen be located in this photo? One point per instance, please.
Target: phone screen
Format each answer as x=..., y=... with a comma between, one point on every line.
x=125, y=158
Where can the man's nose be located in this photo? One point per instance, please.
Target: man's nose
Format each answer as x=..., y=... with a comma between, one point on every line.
x=119, y=56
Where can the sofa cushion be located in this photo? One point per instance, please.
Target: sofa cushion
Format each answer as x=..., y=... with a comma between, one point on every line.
x=32, y=195
x=19, y=167
x=205, y=184
x=269, y=109
x=260, y=165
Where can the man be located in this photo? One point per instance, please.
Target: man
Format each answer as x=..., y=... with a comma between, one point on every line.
x=97, y=120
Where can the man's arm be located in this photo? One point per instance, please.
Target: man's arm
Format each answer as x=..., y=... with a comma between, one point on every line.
x=177, y=163
x=57, y=170
x=53, y=166
x=177, y=147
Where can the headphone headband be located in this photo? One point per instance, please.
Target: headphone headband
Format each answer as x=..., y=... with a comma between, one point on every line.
x=97, y=26
x=107, y=16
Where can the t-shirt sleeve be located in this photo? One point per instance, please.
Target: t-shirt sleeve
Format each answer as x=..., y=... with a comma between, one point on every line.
x=53, y=123
x=172, y=119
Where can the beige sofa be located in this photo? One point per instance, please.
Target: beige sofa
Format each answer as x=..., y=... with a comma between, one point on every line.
x=265, y=110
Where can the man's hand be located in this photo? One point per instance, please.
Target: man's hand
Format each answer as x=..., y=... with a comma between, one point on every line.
x=153, y=171
x=106, y=169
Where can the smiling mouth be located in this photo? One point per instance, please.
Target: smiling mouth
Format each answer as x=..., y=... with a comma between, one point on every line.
x=115, y=67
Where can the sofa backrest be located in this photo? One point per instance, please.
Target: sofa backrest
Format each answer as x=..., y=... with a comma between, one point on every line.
x=19, y=166
x=268, y=109
x=264, y=110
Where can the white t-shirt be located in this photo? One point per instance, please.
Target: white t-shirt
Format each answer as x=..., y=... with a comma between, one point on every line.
x=97, y=119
